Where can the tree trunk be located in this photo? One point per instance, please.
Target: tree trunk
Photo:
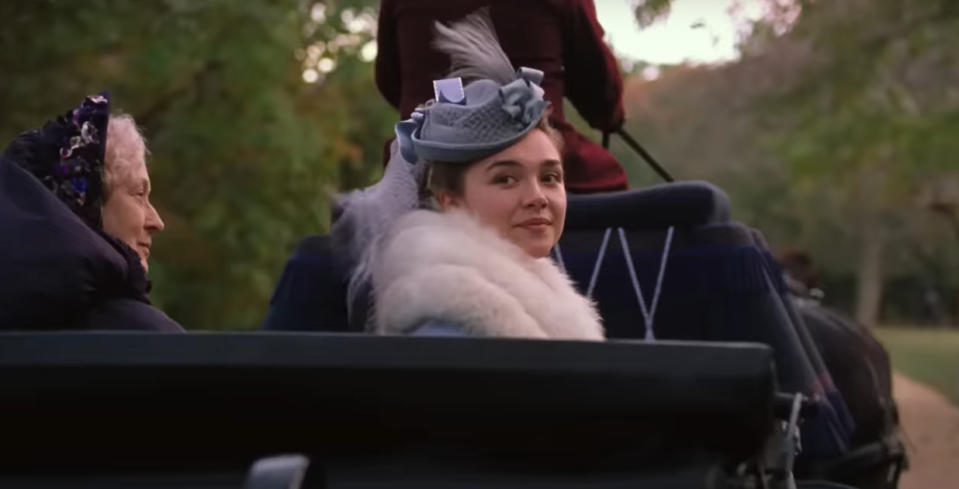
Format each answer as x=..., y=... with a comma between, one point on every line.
x=953, y=217
x=869, y=286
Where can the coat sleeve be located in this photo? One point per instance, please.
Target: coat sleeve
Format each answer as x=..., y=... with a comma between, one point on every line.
x=593, y=81
x=387, y=66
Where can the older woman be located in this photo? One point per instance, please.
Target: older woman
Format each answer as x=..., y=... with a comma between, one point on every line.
x=127, y=211
x=475, y=260
x=76, y=225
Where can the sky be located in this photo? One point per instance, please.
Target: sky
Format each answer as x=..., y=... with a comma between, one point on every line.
x=696, y=31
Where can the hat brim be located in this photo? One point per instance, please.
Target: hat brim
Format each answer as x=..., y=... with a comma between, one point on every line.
x=466, y=153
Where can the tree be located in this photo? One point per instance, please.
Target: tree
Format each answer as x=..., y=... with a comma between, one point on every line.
x=875, y=113
x=245, y=155
x=838, y=117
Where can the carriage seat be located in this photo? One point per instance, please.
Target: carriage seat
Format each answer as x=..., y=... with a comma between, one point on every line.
x=683, y=270
x=691, y=203
x=311, y=292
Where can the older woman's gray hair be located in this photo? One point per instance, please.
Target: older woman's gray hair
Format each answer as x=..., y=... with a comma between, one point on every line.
x=125, y=145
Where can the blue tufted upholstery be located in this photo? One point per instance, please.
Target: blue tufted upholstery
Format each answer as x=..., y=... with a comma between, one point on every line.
x=719, y=283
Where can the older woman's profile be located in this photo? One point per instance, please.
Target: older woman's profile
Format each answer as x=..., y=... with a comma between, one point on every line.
x=127, y=212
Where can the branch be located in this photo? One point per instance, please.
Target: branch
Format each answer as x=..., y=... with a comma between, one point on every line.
x=162, y=104
x=949, y=213
x=945, y=12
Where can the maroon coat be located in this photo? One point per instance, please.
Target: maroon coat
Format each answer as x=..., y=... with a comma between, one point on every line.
x=560, y=37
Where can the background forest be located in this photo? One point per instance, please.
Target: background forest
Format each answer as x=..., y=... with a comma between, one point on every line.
x=835, y=132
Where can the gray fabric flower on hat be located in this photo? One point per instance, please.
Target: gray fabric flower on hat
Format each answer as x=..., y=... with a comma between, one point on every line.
x=523, y=97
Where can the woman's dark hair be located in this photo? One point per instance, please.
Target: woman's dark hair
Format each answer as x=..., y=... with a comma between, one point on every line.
x=443, y=176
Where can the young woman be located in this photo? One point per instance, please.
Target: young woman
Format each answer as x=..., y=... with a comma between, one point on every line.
x=475, y=260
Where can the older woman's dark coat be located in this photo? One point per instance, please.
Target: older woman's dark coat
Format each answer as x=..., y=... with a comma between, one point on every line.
x=56, y=271
x=560, y=37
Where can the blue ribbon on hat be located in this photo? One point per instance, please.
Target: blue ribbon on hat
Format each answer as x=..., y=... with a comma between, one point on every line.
x=531, y=75
x=404, y=135
x=523, y=97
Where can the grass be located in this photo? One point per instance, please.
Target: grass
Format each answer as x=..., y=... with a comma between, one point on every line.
x=927, y=355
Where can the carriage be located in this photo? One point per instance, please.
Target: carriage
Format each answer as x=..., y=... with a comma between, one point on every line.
x=711, y=379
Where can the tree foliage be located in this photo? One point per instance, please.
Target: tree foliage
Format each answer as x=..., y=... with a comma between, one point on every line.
x=647, y=12
x=840, y=118
x=245, y=155
x=834, y=132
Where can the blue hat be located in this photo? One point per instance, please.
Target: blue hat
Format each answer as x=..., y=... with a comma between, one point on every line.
x=495, y=110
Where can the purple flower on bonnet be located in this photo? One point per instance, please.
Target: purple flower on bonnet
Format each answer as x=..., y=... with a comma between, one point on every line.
x=67, y=156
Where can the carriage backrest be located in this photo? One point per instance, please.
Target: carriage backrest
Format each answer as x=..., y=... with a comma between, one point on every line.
x=311, y=292
x=668, y=263
x=719, y=283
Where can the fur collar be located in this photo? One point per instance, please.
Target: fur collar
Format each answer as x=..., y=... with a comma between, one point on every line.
x=447, y=267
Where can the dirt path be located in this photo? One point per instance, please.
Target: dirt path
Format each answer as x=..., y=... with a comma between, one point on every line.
x=931, y=426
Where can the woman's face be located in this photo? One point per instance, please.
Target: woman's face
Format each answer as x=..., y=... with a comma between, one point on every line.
x=519, y=192
x=127, y=211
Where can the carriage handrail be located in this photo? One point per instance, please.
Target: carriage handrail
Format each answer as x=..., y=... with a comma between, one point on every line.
x=638, y=148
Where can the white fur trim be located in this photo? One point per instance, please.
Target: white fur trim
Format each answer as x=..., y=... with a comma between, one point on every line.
x=449, y=268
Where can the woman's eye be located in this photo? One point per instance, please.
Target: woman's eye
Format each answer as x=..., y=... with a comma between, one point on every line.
x=553, y=177
x=504, y=179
